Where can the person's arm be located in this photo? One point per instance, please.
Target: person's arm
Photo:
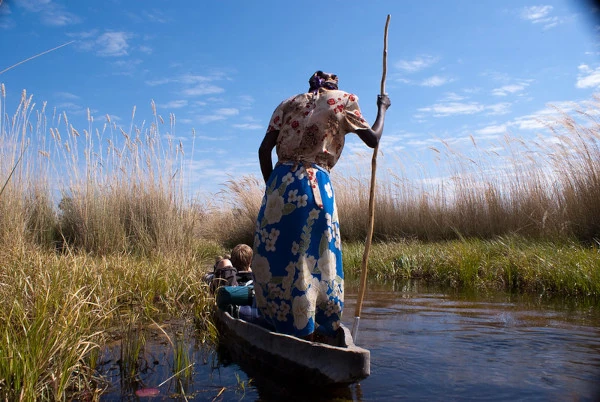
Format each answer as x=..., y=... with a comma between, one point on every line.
x=264, y=153
x=371, y=136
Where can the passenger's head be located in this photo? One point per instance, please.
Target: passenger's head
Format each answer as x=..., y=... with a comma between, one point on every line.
x=222, y=262
x=241, y=257
x=322, y=80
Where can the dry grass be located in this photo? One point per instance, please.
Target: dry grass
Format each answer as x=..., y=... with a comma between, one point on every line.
x=547, y=188
x=123, y=191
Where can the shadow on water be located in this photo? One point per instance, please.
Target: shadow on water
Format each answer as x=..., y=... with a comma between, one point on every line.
x=426, y=343
x=271, y=388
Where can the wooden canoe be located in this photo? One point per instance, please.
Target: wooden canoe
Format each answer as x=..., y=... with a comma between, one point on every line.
x=286, y=357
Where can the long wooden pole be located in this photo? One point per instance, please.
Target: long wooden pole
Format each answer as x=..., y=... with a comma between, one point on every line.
x=365, y=260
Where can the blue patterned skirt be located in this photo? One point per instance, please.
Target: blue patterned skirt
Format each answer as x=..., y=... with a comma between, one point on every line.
x=297, y=264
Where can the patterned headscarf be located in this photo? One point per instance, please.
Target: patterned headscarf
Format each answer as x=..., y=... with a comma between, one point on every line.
x=322, y=80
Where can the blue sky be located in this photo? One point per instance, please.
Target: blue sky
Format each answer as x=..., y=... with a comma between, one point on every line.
x=456, y=68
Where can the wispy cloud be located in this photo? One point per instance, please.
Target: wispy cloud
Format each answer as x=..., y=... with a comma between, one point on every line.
x=51, y=13
x=452, y=97
x=219, y=114
x=175, y=104
x=155, y=15
x=203, y=89
x=195, y=85
x=417, y=64
x=541, y=15
x=146, y=49
x=588, y=77
x=113, y=44
x=248, y=126
x=453, y=108
x=435, y=81
x=5, y=21
x=498, y=108
x=510, y=89
x=67, y=95
x=71, y=108
x=443, y=109
x=541, y=118
x=491, y=130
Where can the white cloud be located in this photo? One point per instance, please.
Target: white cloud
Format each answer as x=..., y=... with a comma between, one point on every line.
x=176, y=104
x=453, y=96
x=203, y=89
x=509, y=89
x=195, y=85
x=494, y=129
x=587, y=77
x=5, y=21
x=443, y=109
x=529, y=122
x=541, y=118
x=541, y=15
x=67, y=96
x=498, y=108
x=249, y=126
x=71, y=108
x=113, y=44
x=219, y=114
x=51, y=13
x=418, y=64
x=155, y=15
x=435, y=81
x=228, y=111
x=536, y=13
x=453, y=108
x=146, y=49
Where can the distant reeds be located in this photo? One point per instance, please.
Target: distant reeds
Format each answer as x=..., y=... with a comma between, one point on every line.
x=124, y=190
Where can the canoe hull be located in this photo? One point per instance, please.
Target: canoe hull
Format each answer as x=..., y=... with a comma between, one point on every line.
x=291, y=359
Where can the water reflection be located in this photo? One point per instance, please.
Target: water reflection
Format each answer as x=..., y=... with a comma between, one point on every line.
x=441, y=346
x=430, y=344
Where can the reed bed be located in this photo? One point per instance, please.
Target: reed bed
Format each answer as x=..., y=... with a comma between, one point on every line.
x=512, y=263
x=99, y=230
x=57, y=311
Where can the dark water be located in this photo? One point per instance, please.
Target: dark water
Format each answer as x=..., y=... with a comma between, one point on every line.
x=426, y=345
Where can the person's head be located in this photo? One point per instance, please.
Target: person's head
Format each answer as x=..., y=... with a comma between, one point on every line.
x=241, y=257
x=322, y=80
x=222, y=262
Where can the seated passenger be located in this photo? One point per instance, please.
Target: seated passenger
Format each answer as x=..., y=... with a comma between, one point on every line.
x=224, y=273
x=241, y=258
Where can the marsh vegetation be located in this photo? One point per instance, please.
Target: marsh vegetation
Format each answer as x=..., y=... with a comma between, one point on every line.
x=100, y=234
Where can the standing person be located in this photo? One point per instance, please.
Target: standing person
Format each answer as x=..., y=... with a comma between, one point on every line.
x=297, y=261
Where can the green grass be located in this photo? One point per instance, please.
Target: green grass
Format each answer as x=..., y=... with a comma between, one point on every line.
x=513, y=264
x=56, y=311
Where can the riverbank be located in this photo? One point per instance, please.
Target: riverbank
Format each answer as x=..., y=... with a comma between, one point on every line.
x=514, y=264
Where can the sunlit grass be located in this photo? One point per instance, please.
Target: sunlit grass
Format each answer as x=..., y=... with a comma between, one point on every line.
x=506, y=263
x=56, y=309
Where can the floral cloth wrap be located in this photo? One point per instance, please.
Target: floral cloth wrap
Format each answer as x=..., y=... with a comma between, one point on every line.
x=297, y=261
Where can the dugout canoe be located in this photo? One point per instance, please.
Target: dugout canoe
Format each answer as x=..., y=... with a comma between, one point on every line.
x=287, y=358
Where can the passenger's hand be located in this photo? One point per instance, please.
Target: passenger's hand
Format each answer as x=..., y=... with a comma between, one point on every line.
x=383, y=101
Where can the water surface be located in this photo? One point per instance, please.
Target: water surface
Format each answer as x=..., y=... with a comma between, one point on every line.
x=426, y=344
